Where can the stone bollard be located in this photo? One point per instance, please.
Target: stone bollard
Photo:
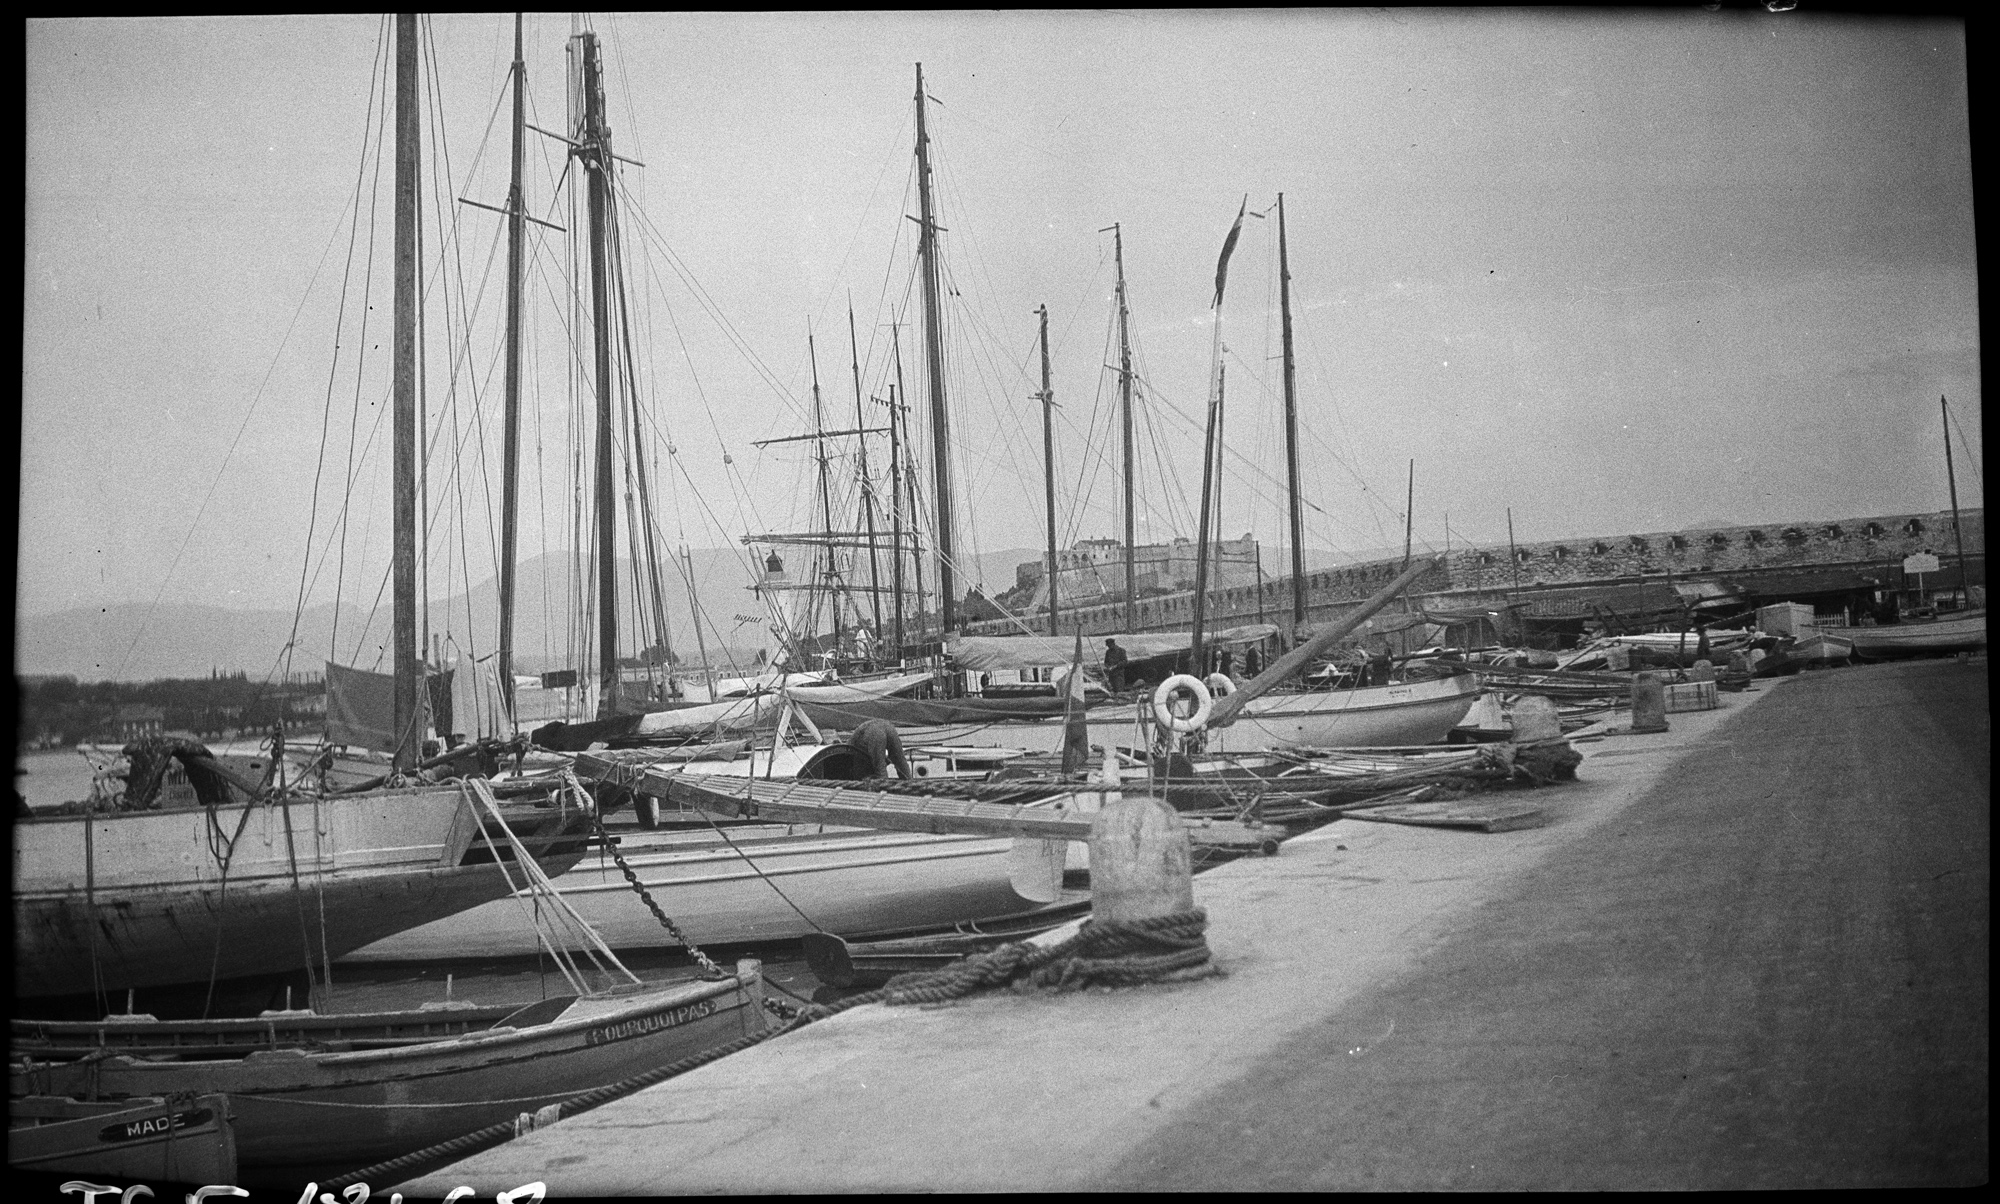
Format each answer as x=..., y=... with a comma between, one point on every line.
x=1139, y=865
x=1702, y=671
x=1649, y=704
x=1536, y=719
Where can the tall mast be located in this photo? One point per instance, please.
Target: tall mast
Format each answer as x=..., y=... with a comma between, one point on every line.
x=1125, y=421
x=867, y=486
x=934, y=360
x=1951, y=478
x=1211, y=452
x=828, y=573
x=408, y=667
x=896, y=516
x=1049, y=464
x=901, y=410
x=1292, y=431
x=511, y=442
x=595, y=152
x=1211, y=503
x=1410, y=515
x=694, y=612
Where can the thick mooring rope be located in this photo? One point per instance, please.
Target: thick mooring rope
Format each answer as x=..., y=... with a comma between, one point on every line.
x=1108, y=954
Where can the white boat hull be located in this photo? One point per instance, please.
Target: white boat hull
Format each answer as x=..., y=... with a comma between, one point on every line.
x=849, y=882
x=142, y=899
x=1960, y=633
x=1421, y=712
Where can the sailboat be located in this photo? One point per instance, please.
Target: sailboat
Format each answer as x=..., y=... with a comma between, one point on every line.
x=762, y=882
x=1409, y=713
x=290, y=1094
x=268, y=877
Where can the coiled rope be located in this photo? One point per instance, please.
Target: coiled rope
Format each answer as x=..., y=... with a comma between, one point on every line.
x=1103, y=953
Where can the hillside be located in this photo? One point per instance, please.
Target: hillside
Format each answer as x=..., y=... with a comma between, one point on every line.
x=136, y=643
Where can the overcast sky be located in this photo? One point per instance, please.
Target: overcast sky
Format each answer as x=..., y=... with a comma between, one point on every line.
x=1620, y=271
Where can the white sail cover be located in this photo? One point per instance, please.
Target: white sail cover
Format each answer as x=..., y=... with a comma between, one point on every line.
x=988, y=652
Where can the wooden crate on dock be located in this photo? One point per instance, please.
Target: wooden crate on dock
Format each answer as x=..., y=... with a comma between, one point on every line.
x=1692, y=696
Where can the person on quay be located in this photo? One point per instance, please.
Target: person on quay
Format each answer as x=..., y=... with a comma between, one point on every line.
x=881, y=745
x=1114, y=665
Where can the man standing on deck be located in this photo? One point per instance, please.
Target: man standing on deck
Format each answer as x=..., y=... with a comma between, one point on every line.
x=880, y=745
x=1114, y=665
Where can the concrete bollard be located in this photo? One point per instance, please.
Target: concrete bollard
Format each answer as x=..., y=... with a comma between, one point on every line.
x=1536, y=719
x=1649, y=704
x=1702, y=671
x=1139, y=865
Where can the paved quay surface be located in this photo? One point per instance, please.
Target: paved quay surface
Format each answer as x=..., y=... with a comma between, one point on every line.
x=1750, y=951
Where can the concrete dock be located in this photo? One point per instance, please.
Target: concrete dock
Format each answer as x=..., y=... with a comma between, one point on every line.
x=1751, y=951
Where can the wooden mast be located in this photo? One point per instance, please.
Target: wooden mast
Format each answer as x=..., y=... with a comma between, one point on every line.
x=1211, y=503
x=896, y=519
x=1292, y=432
x=867, y=486
x=899, y=411
x=595, y=153
x=1049, y=464
x=1125, y=421
x=934, y=360
x=408, y=667
x=511, y=440
x=1951, y=478
x=828, y=573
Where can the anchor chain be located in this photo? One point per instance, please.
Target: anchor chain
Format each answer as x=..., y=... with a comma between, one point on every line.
x=708, y=967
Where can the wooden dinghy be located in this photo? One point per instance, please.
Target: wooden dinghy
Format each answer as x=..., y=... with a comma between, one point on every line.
x=1963, y=632
x=177, y=1140
x=860, y=964
x=317, y=1108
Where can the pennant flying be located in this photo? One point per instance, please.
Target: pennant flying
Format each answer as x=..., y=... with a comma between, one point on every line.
x=1228, y=245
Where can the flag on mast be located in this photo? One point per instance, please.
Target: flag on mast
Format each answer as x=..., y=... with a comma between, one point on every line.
x=1076, y=736
x=1228, y=245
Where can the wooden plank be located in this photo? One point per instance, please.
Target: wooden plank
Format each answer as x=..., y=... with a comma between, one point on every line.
x=1491, y=816
x=854, y=804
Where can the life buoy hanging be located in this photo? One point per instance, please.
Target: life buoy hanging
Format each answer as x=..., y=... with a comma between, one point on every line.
x=1182, y=683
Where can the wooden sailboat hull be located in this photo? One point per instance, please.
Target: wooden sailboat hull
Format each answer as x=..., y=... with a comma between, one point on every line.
x=309, y=1114
x=1959, y=633
x=1414, y=713
x=850, y=882
x=141, y=899
x=179, y=1141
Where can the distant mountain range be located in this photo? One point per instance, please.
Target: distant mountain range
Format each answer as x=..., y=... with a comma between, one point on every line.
x=136, y=642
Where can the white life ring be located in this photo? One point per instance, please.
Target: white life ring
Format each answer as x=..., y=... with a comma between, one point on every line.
x=1203, y=703
x=1219, y=685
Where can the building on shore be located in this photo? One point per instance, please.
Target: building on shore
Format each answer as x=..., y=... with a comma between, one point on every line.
x=1092, y=572
x=1553, y=592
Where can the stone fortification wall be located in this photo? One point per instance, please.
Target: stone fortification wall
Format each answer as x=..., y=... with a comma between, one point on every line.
x=1716, y=550
x=1466, y=574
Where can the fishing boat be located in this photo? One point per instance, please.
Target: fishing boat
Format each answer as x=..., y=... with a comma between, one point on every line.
x=161, y=1138
x=134, y=899
x=313, y=1097
x=1961, y=632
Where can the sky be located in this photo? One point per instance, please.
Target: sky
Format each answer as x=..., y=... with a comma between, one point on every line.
x=1614, y=271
